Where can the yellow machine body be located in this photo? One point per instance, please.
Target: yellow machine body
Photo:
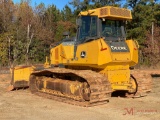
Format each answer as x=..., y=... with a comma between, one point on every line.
x=96, y=54
x=99, y=56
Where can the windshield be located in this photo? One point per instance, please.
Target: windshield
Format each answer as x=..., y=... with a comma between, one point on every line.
x=88, y=28
x=113, y=30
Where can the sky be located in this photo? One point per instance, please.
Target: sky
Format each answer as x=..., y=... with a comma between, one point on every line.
x=59, y=3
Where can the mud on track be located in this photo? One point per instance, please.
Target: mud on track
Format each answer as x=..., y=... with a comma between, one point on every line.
x=22, y=105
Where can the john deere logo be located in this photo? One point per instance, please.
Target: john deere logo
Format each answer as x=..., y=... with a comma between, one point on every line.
x=83, y=54
x=118, y=48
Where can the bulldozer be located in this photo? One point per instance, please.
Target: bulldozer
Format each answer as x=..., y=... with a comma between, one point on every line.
x=87, y=69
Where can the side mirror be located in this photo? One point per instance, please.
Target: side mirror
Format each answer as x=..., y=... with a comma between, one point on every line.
x=66, y=34
x=78, y=22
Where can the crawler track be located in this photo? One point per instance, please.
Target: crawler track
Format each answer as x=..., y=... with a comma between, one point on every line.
x=99, y=86
x=144, y=83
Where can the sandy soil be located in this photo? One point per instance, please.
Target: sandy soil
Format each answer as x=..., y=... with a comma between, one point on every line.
x=22, y=105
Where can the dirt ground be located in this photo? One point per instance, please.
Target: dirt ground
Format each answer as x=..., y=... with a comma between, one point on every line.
x=22, y=105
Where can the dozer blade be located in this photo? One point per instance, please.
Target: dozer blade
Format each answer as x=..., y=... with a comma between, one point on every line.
x=20, y=77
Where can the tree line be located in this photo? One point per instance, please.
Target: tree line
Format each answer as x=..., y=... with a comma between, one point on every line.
x=27, y=32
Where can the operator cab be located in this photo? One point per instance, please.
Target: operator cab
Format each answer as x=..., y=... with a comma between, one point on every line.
x=92, y=27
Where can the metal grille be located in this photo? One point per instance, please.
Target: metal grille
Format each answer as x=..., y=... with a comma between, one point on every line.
x=103, y=11
x=120, y=12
